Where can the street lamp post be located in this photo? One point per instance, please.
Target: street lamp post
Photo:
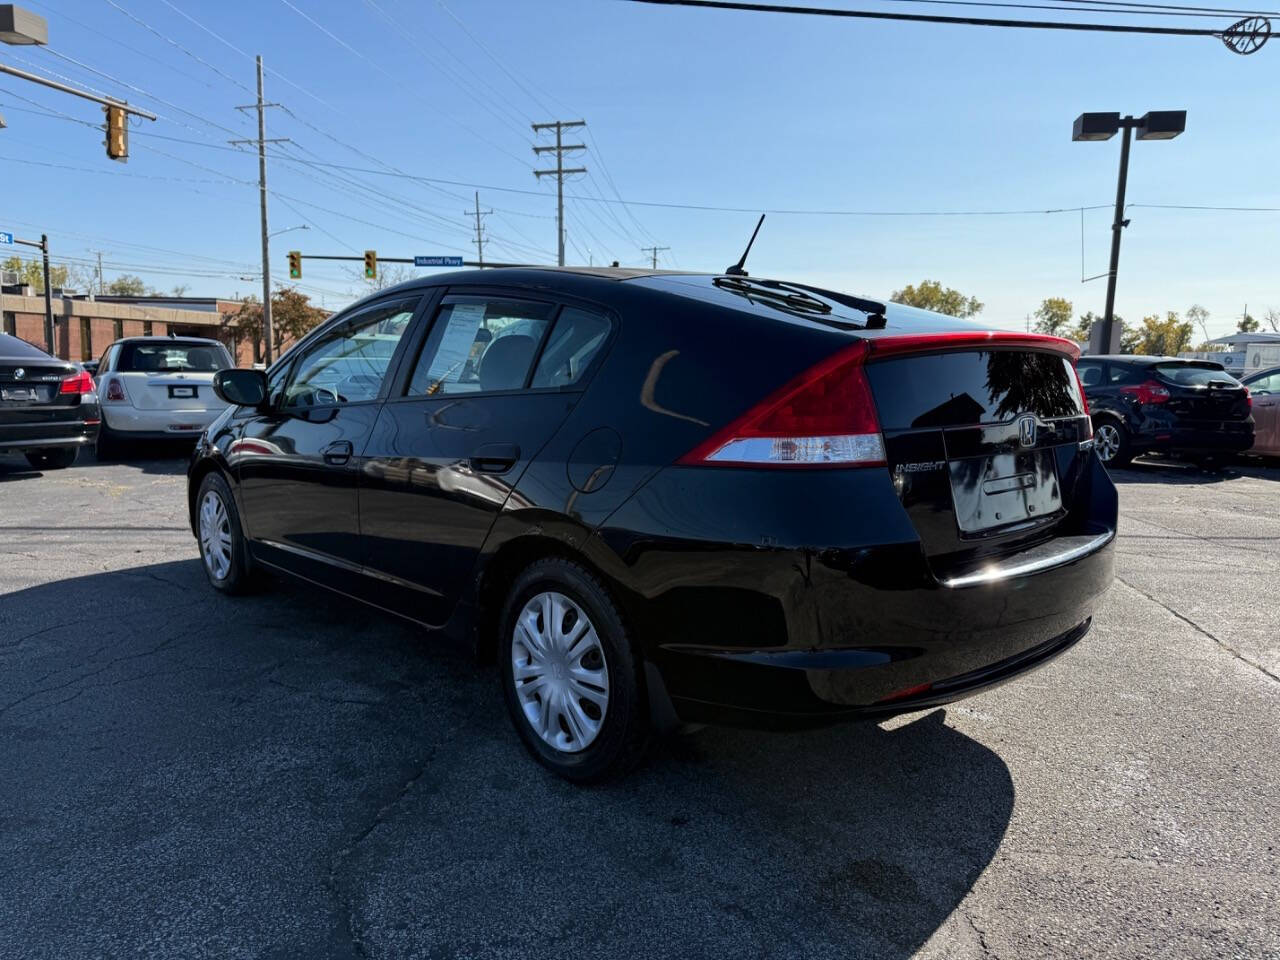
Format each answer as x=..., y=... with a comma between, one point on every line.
x=1153, y=125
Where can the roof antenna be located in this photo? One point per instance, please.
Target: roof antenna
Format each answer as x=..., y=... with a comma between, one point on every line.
x=736, y=270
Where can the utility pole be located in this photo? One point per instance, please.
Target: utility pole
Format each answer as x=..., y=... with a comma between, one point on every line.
x=101, y=289
x=654, y=251
x=560, y=172
x=262, y=142
x=48, y=295
x=478, y=213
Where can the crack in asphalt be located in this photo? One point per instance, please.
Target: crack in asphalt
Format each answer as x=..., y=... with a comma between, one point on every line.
x=982, y=935
x=167, y=642
x=342, y=900
x=1199, y=629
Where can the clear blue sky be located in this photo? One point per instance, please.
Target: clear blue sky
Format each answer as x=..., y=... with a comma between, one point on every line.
x=686, y=106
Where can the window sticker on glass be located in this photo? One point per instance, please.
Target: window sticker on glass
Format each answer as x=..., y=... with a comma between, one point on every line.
x=455, y=346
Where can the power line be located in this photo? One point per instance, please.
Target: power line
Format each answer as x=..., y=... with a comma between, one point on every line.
x=174, y=43
x=741, y=5
x=1133, y=10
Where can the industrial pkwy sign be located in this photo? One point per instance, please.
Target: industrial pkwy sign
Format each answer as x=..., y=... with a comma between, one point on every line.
x=437, y=261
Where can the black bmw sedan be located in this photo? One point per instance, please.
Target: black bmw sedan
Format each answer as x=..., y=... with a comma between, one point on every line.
x=663, y=498
x=48, y=407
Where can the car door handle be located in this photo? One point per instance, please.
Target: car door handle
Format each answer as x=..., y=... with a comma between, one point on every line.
x=495, y=457
x=337, y=453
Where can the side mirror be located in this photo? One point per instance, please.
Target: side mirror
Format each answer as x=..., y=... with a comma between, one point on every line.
x=245, y=388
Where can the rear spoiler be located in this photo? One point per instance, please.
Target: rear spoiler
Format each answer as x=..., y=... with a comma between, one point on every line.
x=968, y=339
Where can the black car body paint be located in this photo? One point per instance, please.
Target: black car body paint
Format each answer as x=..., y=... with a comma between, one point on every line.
x=763, y=595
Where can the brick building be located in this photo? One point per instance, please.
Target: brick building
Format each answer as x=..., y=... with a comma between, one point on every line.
x=83, y=328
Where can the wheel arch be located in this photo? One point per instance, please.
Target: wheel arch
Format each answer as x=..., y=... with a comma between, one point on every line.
x=202, y=469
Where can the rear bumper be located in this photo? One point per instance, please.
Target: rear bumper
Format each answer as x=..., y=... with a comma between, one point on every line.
x=157, y=424
x=759, y=635
x=19, y=438
x=1228, y=436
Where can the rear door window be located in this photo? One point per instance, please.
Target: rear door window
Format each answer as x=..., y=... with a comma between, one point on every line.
x=1269, y=384
x=1090, y=373
x=481, y=345
x=575, y=340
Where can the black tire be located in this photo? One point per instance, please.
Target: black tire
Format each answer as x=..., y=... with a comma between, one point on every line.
x=624, y=730
x=59, y=458
x=108, y=444
x=1119, y=452
x=240, y=575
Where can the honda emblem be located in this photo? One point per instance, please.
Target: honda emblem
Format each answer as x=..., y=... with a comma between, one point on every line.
x=1027, y=430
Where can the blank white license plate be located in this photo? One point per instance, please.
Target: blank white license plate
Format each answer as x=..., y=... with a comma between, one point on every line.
x=182, y=392
x=25, y=393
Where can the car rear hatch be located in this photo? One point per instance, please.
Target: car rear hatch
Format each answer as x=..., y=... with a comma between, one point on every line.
x=986, y=437
x=170, y=391
x=1202, y=392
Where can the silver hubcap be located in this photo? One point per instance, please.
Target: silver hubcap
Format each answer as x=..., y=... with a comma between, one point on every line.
x=1106, y=438
x=561, y=678
x=215, y=535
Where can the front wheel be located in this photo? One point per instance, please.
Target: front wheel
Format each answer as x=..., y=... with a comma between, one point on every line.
x=570, y=673
x=1111, y=440
x=223, y=552
x=57, y=459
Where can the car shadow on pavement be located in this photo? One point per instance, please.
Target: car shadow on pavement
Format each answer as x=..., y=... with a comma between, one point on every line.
x=290, y=773
x=1162, y=470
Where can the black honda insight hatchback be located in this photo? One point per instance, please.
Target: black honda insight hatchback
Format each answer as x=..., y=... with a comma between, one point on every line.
x=656, y=499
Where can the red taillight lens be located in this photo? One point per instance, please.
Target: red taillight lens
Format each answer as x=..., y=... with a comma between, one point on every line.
x=77, y=383
x=1148, y=392
x=115, y=390
x=1248, y=398
x=823, y=418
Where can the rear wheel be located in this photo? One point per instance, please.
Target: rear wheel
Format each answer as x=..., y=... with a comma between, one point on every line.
x=1111, y=440
x=223, y=552
x=570, y=673
x=57, y=459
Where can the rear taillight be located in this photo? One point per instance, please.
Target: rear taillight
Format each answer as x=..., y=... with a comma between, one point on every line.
x=1248, y=398
x=77, y=383
x=823, y=418
x=115, y=390
x=1148, y=392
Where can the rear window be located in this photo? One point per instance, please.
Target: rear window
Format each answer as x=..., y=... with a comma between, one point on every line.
x=15, y=347
x=173, y=356
x=1193, y=374
x=958, y=389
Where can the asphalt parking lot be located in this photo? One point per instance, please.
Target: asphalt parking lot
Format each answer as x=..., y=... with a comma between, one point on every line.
x=289, y=775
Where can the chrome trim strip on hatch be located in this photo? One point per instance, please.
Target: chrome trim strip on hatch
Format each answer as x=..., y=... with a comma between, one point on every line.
x=1035, y=561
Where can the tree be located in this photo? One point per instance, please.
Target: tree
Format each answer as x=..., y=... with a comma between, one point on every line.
x=292, y=317
x=31, y=273
x=1199, y=316
x=931, y=295
x=1053, y=316
x=1247, y=324
x=388, y=276
x=1085, y=326
x=1165, y=337
x=127, y=285
x=1273, y=320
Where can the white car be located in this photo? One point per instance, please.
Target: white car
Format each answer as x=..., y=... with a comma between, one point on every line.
x=153, y=388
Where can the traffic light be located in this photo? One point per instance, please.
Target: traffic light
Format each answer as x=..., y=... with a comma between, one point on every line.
x=295, y=265
x=370, y=264
x=117, y=133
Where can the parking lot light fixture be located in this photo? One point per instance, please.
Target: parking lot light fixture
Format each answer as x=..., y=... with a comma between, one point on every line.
x=1153, y=125
x=22, y=27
